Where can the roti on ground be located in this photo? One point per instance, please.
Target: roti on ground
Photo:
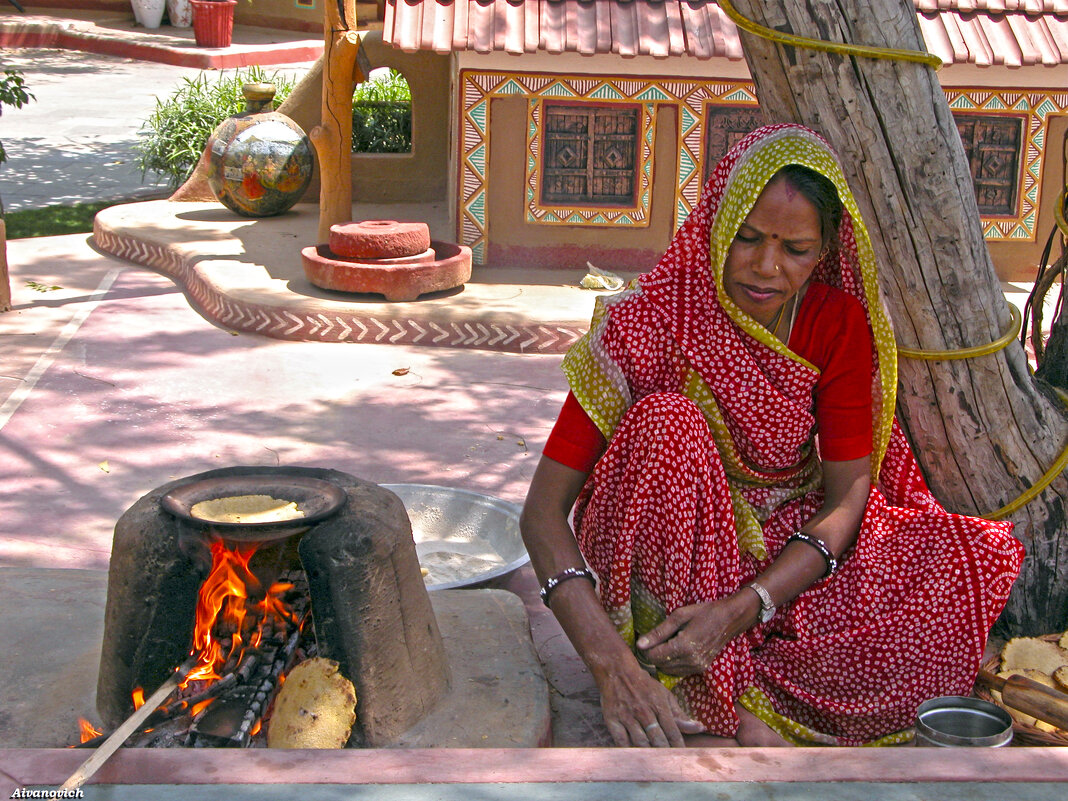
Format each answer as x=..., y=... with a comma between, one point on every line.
x=315, y=708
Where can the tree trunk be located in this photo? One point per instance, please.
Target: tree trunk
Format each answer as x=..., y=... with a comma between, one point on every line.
x=982, y=431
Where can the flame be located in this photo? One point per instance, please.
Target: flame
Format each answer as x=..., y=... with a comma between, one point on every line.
x=138, y=696
x=224, y=603
x=200, y=707
x=256, y=728
x=222, y=596
x=88, y=731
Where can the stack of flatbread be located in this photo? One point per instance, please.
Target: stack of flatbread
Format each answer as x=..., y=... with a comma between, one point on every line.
x=1040, y=659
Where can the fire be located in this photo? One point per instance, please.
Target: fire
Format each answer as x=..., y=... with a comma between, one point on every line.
x=88, y=731
x=223, y=602
x=138, y=696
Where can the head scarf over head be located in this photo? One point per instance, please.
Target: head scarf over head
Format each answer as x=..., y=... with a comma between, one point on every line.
x=686, y=290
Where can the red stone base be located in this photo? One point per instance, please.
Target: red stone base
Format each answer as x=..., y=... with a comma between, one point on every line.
x=448, y=267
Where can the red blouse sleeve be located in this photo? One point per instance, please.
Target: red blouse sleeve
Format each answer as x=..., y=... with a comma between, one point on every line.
x=575, y=441
x=832, y=333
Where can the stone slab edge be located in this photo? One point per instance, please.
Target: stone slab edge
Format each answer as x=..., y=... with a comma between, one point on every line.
x=539, y=765
x=290, y=322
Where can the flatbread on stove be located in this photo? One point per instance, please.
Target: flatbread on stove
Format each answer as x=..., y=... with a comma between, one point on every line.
x=246, y=509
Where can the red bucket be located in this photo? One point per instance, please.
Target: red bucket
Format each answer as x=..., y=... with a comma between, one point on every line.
x=213, y=22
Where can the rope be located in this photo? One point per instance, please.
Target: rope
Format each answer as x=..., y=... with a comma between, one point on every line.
x=841, y=48
x=1015, y=324
x=1034, y=491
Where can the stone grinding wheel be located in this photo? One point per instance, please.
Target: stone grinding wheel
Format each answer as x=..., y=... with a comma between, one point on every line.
x=379, y=239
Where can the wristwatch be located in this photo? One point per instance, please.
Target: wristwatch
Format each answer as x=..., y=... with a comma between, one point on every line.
x=767, y=606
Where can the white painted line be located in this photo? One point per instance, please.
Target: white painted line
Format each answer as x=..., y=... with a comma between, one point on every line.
x=44, y=361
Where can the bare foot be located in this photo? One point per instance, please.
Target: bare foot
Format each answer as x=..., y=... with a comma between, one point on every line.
x=754, y=732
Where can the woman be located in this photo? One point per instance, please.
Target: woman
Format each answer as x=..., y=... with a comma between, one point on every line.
x=767, y=563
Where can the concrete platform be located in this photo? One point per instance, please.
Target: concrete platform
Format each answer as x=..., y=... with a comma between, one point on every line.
x=117, y=34
x=247, y=275
x=51, y=658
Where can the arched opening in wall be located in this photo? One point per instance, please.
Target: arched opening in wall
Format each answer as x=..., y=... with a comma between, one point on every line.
x=382, y=113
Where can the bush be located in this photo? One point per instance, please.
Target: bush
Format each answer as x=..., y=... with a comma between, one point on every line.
x=178, y=129
x=382, y=115
x=12, y=93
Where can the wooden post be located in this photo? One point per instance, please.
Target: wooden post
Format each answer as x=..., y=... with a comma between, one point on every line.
x=5, y=280
x=982, y=431
x=343, y=69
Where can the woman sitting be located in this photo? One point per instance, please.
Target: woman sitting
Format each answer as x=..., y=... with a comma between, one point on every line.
x=767, y=563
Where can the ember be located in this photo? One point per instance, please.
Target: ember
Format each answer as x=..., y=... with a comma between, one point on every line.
x=88, y=732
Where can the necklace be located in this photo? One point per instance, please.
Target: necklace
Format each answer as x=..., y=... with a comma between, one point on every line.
x=773, y=326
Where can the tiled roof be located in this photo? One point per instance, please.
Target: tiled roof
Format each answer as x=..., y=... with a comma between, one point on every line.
x=984, y=32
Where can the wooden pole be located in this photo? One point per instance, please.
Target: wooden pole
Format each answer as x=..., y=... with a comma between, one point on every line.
x=332, y=138
x=982, y=430
x=5, y=279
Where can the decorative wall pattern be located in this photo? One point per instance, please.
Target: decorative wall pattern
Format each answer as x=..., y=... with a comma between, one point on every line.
x=693, y=99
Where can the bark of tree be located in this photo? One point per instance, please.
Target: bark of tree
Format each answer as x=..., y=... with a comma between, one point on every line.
x=982, y=428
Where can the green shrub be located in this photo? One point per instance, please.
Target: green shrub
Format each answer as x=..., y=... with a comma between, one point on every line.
x=12, y=93
x=382, y=115
x=178, y=129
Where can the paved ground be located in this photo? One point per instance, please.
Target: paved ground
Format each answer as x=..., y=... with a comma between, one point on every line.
x=112, y=384
x=76, y=141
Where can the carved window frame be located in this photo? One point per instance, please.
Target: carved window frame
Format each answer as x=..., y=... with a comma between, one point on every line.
x=586, y=211
x=982, y=156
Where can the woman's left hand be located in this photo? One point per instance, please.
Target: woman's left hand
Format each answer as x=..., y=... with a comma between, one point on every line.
x=691, y=637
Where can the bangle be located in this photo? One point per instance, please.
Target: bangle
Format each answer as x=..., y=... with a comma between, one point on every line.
x=819, y=545
x=555, y=581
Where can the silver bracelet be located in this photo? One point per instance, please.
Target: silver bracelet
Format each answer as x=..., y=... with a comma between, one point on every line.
x=819, y=545
x=555, y=581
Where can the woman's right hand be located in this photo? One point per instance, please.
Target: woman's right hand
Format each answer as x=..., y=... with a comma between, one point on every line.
x=631, y=699
x=640, y=711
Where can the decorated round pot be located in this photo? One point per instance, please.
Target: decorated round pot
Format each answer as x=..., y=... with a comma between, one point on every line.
x=260, y=162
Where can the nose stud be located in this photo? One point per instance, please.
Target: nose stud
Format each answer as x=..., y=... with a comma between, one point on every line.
x=778, y=269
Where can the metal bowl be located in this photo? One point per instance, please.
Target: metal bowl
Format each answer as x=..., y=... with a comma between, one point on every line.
x=462, y=538
x=954, y=720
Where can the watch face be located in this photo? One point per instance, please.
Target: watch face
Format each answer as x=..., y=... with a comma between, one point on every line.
x=766, y=613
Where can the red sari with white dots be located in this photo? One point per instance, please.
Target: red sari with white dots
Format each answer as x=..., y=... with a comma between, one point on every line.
x=712, y=462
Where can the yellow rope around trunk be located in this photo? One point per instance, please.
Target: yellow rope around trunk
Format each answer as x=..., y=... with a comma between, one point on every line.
x=985, y=350
x=841, y=48
x=1015, y=322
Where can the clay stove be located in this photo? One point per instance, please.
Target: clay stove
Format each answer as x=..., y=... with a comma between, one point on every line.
x=370, y=608
x=395, y=259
